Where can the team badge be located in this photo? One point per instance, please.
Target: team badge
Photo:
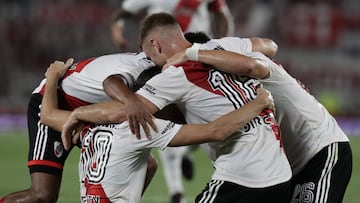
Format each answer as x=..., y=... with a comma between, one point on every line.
x=58, y=149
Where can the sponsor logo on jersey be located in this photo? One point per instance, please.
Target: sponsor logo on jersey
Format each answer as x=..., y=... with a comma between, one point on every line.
x=58, y=149
x=168, y=127
x=149, y=89
x=265, y=119
x=90, y=199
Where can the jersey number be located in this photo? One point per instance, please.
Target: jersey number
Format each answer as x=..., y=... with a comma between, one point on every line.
x=236, y=92
x=303, y=193
x=95, y=154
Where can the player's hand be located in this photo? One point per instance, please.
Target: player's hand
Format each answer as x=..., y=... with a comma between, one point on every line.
x=71, y=131
x=138, y=114
x=57, y=69
x=177, y=58
x=265, y=98
x=117, y=36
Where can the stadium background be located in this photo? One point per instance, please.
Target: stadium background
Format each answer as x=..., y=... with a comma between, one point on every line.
x=319, y=43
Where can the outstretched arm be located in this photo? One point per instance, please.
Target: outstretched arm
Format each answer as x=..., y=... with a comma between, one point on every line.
x=226, y=125
x=264, y=45
x=226, y=61
x=235, y=63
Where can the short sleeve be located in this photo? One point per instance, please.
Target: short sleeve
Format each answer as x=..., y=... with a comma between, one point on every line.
x=234, y=44
x=166, y=132
x=165, y=88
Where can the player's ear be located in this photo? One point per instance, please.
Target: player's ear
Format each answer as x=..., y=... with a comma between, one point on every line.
x=156, y=44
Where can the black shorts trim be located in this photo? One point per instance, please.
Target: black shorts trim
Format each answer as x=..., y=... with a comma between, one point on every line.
x=325, y=178
x=45, y=145
x=218, y=191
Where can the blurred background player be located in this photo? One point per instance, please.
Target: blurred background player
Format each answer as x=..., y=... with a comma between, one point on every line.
x=212, y=17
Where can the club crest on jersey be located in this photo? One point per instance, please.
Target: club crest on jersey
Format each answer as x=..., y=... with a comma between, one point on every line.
x=58, y=149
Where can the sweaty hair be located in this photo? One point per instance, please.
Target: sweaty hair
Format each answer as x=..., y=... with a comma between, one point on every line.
x=153, y=21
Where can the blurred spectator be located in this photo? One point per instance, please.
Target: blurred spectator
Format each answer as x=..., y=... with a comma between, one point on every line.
x=209, y=16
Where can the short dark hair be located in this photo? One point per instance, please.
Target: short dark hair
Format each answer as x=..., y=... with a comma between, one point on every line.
x=155, y=20
x=196, y=37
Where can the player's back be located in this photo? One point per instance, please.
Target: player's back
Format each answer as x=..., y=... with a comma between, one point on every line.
x=82, y=84
x=204, y=94
x=306, y=125
x=114, y=158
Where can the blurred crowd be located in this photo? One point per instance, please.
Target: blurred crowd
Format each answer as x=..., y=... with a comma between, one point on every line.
x=319, y=40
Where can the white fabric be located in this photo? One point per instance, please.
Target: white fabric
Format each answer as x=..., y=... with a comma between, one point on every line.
x=307, y=127
x=113, y=157
x=85, y=83
x=251, y=157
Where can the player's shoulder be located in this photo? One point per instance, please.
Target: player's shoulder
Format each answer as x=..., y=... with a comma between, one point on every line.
x=138, y=58
x=220, y=43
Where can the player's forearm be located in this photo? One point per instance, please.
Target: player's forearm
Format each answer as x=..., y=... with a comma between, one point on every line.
x=264, y=45
x=235, y=63
x=233, y=121
x=101, y=113
x=50, y=114
x=117, y=89
x=222, y=127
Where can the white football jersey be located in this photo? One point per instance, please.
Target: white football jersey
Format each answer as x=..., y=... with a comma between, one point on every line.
x=306, y=126
x=253, y=156
x=192, y=16
x=82, y=84
x=112, y=157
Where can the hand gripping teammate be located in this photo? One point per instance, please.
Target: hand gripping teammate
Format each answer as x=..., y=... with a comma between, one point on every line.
x=81, y=85
x=210, y=16
x=317, y=148
x=204, y=94
x=113, y=162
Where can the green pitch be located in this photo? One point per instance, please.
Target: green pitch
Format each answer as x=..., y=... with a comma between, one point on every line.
x=14, y=173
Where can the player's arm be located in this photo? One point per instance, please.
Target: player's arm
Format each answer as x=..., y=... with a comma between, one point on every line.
x=137, y=112
x=50, y=114
x=226, y=61
x=100, y=113
x=264, y=45
x=226, y=125
x=235, y=63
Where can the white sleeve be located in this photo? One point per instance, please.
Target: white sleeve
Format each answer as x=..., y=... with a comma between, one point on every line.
x=235, y=44
x=134, y=6
x=166, y=132
x=277, y=72
x=165, y=88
